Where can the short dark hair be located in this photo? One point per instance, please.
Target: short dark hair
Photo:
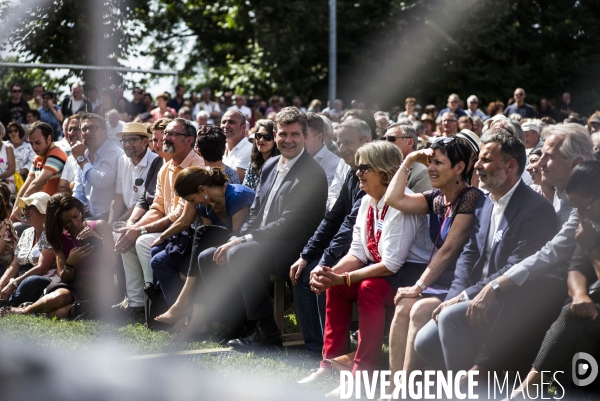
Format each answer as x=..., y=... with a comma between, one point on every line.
x=456, y=151
x=510, y=146
x=364, y=115
x=46, y=129
x=90, y=116
x=211, y=142
x=19, y=128
x=583, y=179
x=315, y=122
x=291, y=115
x=34, y=113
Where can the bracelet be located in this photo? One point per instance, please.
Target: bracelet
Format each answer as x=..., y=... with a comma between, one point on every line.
x=348, y=281
x=68, y=268
x=406, y=170
x=421, y=285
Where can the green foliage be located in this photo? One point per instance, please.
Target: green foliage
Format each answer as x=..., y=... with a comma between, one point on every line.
x=73, y=32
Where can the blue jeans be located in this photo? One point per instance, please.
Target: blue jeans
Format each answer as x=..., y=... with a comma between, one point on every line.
x=311, y=310
x=452, y=343
x=166, y=271
x=30, y=290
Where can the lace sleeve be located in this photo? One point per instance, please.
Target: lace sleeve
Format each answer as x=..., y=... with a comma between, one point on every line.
x=430, y=196
x=467, y=202
x=43, y=241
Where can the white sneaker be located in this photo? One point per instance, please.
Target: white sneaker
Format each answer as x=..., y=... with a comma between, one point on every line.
x=316, y=375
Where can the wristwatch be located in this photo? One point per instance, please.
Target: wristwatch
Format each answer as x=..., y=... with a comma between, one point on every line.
x=80, y=159
x=13, y=281
x=495, y=286
x=421, y=285
x=143, y=230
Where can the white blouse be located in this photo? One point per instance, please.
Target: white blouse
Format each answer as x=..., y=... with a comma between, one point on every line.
x=404, y=237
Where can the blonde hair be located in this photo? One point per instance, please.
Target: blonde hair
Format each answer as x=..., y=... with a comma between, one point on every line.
x=383, y=157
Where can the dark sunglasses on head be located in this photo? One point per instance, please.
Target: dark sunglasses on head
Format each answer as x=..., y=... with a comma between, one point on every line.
x=266, y=137
x=393, y=138
x=363, y=168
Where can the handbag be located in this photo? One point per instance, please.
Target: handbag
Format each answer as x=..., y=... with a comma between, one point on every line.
x=180, y=245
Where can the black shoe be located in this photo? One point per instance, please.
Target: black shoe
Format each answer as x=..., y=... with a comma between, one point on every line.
x=258, y=341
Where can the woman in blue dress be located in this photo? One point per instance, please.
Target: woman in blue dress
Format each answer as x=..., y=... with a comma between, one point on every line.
x=450, y=206
x=208, y=195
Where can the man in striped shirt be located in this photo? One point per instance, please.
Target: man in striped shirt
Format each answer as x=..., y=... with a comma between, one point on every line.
x=47, y=165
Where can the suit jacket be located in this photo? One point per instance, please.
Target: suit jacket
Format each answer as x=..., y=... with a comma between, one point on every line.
x=528, y=222
x=298, y=205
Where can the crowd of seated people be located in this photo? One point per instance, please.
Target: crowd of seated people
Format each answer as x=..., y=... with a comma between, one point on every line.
x=473, y=236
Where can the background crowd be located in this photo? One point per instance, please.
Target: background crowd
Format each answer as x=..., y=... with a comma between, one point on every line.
x=466, y=226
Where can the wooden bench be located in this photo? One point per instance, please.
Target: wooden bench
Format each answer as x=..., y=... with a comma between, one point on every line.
x=289, y=339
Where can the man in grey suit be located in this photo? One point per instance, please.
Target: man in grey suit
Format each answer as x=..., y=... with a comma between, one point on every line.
x=510, y=224
x=534, y=290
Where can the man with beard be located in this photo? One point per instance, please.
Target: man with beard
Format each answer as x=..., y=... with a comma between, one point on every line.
x=97, y=159
x=132, y=170
x=510, y=224
x=135, y=241
x=47, y=166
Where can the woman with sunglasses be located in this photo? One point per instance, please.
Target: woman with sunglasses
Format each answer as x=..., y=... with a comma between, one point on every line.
x=207, y=193
x=32, y=267
x=24, y=153
x=388, y=251
x=263, y=148
x=85, y=259
x=450, y=206
x=577, y=328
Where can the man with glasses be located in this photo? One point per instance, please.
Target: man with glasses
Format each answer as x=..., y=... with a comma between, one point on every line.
x=132, y=170
x=135, y=241
x=472, y=108
x=16, y=108
x=76, y=103
x=72, y=136
x=449, y=123
x=237, y=153
x=97, y=159
x=47, y=165
x=137, y=106
x=404, y=137
x=519, y=106
x=453, y=107
x=315, y=145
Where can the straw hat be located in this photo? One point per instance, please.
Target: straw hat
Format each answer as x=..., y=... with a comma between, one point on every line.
x=471, y=138
x=134, y=129
x=39, y=200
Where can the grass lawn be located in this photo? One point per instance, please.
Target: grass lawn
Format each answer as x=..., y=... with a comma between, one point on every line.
x=79, y=338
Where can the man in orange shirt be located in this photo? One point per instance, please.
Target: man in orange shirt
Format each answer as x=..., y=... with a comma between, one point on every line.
x=47, y=165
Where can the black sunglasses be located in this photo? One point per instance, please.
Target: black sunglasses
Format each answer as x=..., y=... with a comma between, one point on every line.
x=266, y=137
x=392, y=138
x=363, y=168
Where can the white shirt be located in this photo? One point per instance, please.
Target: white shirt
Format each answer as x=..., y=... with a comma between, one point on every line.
x=283, y=168
x=493, y=235
x=328, y=161
x=75, y=105
x=336, y=185
x=239, y=156
x=209, y=107
x=128, y=173
x=112, y=132
x=244, y=109
x=403, y=236
x=70, y=169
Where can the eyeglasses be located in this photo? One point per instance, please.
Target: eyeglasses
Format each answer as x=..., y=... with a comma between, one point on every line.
x=363, y=168
x=17, y=90
x=448, y=121
x=172, y=133
x=130, y=140
x=90, y=128
x=25, y=210
x=266, y=137
x=586, y=209
x=392, y=138
x=12, y=131
x=73, y=129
